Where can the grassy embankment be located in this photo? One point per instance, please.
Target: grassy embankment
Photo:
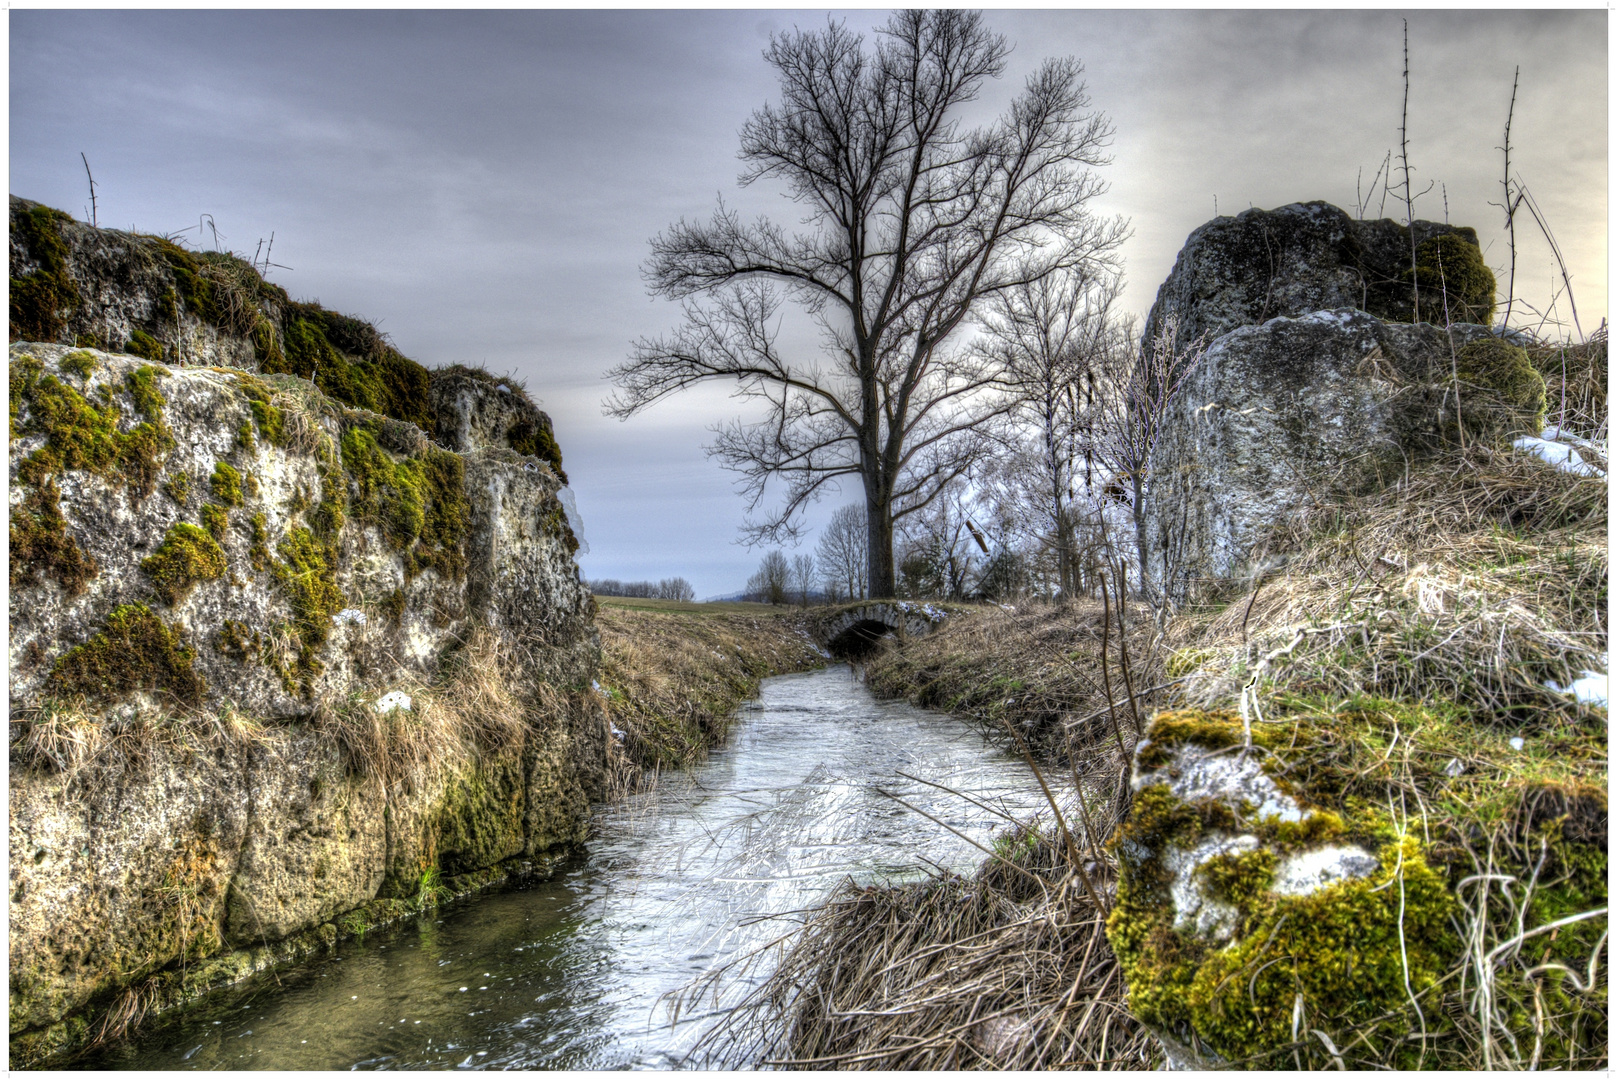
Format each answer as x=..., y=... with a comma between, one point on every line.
x=673, y=672
x=1398, y=662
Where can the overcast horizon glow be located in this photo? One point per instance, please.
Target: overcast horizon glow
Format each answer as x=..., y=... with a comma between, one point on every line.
x=483, y=185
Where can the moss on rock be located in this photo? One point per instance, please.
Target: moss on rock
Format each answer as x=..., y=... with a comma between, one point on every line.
x=142, y=344
x=1453, y=280
x=135, y=650
x=40, y=544
x=1500, y=390
x=41, y=299
x=80, y=435
x=188, y=555
x=225, y=484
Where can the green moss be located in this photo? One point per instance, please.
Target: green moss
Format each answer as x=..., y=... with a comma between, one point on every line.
x=226, y=484
x=142, y=383
x=386, y=494
x=41, y=299
x=258, y=544
x=239, y=642
x=80, y=435
x=244, y=438
x=187, y=556
x=419, y=503
x=270, y=423
x=533, y=436
x=349, y=360
x=1500, y=390
x=142, y=344
x=178, y=488
x=1453, y=281
x=216, y=519
x=81, y=363
x=40, y=544
x=135, y=650
x=1212, y=730
x=89, y=339
x=1342, y=949
x=305, y=572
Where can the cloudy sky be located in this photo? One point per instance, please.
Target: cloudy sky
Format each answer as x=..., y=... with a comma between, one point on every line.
x=483, y=186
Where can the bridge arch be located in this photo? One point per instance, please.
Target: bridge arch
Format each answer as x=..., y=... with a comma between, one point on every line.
x=853, y=631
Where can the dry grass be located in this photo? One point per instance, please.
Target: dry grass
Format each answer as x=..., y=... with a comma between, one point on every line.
x=673, y=678
x=84, y=746
x=485, y=701
x=1575, y=383
x=1476, y=580
x=1009, y=969
x=1038, y=668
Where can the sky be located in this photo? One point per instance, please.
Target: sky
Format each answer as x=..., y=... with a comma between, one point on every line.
x=484, y=186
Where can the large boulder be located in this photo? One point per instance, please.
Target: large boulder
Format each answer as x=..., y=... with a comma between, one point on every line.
x=1312, y=373
x=272, y=659
x=1275, y=412
x=1262, y=264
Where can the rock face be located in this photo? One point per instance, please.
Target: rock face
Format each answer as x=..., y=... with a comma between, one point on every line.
x=1272, y=412
x=215, y=576
x=1312, y=373
x=1264, y=264
x=1241, y=901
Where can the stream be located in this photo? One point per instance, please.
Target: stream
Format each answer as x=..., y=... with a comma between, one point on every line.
x=573, y=972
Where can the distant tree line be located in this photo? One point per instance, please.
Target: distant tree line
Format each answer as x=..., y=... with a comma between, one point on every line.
x=675, y=588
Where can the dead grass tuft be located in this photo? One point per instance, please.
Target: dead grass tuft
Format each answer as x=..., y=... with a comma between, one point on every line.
x=481, y=704
x=1477, y=580
x=1008, y=969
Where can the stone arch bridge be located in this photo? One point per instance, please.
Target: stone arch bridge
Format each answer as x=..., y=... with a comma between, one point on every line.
x=852, y=631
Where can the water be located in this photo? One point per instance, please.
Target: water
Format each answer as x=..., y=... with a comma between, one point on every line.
x=572, y=972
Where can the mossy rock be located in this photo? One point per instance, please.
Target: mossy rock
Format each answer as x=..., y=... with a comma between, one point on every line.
x=41, y=545
x=41, y=300
x=188, y=555
x=1500, y=390
x=135, y=650
x=1453, y=281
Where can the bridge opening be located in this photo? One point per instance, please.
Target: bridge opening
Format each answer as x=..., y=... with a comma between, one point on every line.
x=858, y=641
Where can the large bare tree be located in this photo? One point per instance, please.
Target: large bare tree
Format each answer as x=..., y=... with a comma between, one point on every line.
x=910, y=219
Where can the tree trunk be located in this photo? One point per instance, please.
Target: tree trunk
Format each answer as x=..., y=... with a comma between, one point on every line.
x=879, y=525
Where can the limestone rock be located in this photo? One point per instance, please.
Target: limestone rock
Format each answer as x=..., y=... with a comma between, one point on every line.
x=117, y=872
x=1263, y=264
x=474, y=410
x=1241, y=900
x=1274, y=411
x=289, y=607
x=215, y=577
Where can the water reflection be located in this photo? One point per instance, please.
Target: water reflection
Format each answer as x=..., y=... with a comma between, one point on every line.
x=572, y=972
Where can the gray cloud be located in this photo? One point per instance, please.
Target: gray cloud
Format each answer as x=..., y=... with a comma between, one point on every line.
x=483, y=185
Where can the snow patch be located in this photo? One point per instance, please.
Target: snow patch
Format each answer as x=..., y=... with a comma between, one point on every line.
x=1558, y=448
x=349, y=615
x=395, y=699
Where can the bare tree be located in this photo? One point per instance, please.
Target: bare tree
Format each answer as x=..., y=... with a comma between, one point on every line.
x=1052, y=337
x=1142, y=384
x=803, y=578
x=911, y=220
x=772, y=583
x=676, y=588
x=842, y=552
